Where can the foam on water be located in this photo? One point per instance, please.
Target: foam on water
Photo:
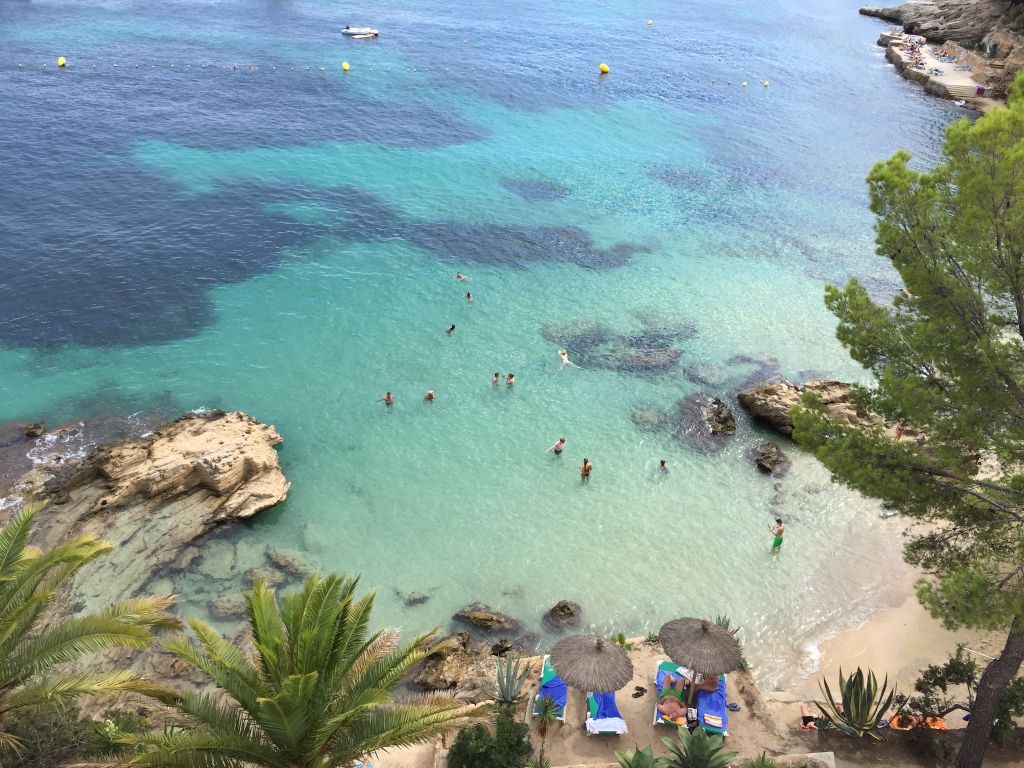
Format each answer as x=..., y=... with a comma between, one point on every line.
x=284, y=242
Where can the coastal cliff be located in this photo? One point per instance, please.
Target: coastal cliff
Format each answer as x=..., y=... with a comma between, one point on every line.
x=988, y=34
x=154, y=497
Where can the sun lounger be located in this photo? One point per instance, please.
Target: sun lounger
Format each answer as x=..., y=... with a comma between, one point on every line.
x=552, y=686
x=603, y=718
x=667, y=668
x=712, y=713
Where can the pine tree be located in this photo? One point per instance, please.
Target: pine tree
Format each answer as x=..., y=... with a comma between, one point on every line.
x=948, y=357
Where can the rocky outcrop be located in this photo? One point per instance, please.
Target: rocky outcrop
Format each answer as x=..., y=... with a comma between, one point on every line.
x=482, y=618
x=770, y=459
x=772, y=401
x=153, y=496
x=563, y=615
x=288, y=561
x=703, y=421
x=947, y=19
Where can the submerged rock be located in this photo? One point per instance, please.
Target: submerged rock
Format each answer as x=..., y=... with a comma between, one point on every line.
x=287, y=560
x=648, y=360
x=649, y=419
x=266, y=573
x=217, y=560
x=703, y=421
x=706, y=374
x=580, y=337
x=228, y=607
x=562, y=615
x=720, y=418
x=769, y=458
x=35, y=430
x=481, y=617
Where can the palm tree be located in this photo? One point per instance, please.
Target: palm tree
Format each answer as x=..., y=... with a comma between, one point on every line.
x=31, y=652
x=315, y=690
x=545, y=713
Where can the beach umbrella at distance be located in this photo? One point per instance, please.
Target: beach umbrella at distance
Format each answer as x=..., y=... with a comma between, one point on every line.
x=701, y=646
x=591, y=664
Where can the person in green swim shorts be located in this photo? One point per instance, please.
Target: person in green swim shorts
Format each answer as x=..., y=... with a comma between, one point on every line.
x=778, y=530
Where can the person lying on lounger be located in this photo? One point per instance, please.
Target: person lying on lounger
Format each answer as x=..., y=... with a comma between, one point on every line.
x=670, y=705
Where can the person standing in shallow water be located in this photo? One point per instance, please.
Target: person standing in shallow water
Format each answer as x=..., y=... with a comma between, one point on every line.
x=510, y=380
x=451, y=330
x=388, y=399
x=557, y=447
x=495, y=379
x=585, y=468
x=778, y=530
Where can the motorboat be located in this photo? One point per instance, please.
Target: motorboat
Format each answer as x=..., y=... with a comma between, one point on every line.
x=360, y=32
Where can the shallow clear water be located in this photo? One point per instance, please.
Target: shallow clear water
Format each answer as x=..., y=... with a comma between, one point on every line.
x=283, y=241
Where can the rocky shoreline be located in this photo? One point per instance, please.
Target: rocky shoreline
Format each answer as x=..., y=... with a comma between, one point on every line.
x=984, y=35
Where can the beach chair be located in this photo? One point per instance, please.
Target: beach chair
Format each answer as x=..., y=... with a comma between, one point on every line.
x=552, y=686
x=603, y=718
x=712, y=713
x=664, y=668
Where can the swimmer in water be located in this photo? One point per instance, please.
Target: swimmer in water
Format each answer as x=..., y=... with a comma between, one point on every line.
x=495, y=379
x=510, y=380
x=460, y=277
x=557, y=447
x=388, y=399
x=778, y=530
x=469, y=297
x=429, y=397
x=563, y=355
x=663, y=467
x=451, y=330
x=585, y=468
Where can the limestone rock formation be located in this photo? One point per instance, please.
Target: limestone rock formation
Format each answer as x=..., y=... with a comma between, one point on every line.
x=771, y=401
x=482, y=618
x=228, y=607
x=770, y=459
x=946, y=19
x=562, y=615
x=153, y=496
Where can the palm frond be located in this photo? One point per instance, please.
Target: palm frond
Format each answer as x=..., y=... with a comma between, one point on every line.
x=62, y=689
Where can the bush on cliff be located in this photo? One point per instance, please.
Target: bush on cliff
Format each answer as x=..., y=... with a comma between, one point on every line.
x=476, y=747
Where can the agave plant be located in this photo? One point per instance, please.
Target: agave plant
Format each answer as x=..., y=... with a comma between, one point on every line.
x=763, y=762
x=509, y=690
x=620, y=639
x=651, y=638
x=863, y=703
x=638, y=758
x=699, y=749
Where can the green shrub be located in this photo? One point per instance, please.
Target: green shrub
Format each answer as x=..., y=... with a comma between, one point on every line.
x=638, y=758
x=508, y=747
x=763, y=762
x=696, y=750
x=50, y=736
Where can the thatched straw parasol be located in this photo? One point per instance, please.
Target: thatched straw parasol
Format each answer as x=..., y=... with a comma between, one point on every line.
x=591, y=664
x=701, y=646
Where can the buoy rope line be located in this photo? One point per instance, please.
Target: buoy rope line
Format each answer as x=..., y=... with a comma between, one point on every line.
x=602, y=68
x=342, y=69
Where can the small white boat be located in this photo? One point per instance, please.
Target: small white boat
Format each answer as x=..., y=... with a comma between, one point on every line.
x=359, y=31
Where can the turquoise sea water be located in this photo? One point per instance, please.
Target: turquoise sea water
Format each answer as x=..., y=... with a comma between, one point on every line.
x=284, y=242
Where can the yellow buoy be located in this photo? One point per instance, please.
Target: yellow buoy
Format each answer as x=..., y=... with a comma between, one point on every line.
x=603, y=69
x=765, y=83
x=650, y=23
x=344, y=66
x=61, y=61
